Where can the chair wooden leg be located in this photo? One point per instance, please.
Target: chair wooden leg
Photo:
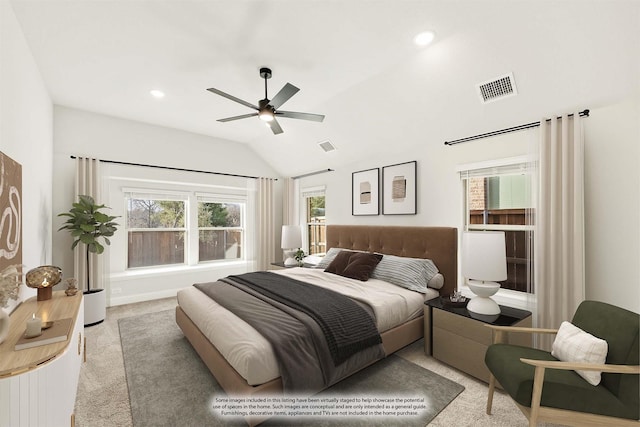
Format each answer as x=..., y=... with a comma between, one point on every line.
x=536, y=395
x=492, y=386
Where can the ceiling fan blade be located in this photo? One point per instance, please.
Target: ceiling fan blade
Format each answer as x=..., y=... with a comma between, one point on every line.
x=302, y=116
x=275, y=126
x=283, y=96
x=244, y=116
x=233, y=98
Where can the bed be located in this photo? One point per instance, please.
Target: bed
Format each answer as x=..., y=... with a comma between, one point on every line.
x=193, y=313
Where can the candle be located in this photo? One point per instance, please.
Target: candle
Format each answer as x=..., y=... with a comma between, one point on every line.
x=34, y=327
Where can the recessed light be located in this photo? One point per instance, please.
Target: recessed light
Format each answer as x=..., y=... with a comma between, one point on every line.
x=157, y=93
x=424, y=39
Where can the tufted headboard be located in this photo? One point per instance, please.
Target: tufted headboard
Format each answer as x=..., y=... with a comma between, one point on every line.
x=439, y=244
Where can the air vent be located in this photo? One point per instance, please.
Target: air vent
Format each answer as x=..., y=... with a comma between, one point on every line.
x=326, y=146
x=498, y=88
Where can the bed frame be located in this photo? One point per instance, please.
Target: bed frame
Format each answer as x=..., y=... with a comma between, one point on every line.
x=436, y=243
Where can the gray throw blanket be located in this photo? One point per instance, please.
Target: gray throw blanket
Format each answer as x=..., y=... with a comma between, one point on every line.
x=346, y=326
x=303, y=356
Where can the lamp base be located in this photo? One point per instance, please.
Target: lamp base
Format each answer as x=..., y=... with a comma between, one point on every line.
x=482, y=304
x=44, y=294
x=290, y=262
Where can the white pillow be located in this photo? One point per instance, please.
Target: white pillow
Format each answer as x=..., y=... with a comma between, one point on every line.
x=572, y=344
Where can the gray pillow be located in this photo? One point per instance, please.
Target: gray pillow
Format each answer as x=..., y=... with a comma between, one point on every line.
x=411, y=273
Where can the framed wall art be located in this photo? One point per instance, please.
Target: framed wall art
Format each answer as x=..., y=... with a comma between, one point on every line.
x=399, y=189
x=11, y=206
x=365, y=192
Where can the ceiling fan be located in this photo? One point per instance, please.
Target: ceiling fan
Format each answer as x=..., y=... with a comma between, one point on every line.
x=267, y=109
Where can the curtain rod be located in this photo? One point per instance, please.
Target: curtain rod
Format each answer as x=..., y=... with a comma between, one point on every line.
x=177, y=169
x=584, y=113
x=312, y=173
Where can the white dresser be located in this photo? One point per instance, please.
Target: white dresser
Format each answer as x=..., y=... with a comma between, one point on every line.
x=38, y=385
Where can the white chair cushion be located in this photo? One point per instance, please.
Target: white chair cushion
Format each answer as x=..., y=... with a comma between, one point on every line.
x=572, y=344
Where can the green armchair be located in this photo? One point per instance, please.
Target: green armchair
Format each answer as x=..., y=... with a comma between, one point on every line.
x=548, y=390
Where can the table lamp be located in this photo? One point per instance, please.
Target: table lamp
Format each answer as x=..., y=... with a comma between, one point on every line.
x=291, y=241
x=484, y=263
x=43, y=278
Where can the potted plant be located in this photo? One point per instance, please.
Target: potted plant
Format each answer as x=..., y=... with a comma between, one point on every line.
x=87, y=225
x=299, y=256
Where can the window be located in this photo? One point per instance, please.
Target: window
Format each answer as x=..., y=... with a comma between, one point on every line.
x=156, y=231
x=314, y=200
x=186, y=228
x=220, y=230
x=500, y=198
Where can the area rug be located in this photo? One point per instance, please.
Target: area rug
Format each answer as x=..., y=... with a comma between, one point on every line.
x=169, y=386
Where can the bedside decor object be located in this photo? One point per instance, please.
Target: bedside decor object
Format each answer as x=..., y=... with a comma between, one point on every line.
x=87, y=225
x=364, y=192
x=72, y=287
x=399, y=189
x=34, y=327
x=456, y=299
x=290, y=243
x=43, y=278
x=57, y=331
x=484, y=263
x=299, y=256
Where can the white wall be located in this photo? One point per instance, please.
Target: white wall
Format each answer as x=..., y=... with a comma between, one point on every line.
x=83, y=133
x=26, y=137
x=611, y=206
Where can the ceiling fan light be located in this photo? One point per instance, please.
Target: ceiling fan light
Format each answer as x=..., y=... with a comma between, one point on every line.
x=266, y=116
x=424, y=39
x=158, y=94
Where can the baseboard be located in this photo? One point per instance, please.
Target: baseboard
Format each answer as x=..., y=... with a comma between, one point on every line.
x=149, y=296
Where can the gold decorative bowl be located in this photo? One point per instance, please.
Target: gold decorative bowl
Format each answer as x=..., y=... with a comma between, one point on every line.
x=44, y=278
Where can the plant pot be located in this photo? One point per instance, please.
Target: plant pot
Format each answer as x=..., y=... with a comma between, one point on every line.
x=95, y=306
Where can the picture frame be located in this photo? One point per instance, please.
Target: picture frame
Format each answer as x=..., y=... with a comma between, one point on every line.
x=11, y=202
x=399, y=189
x=365, y=193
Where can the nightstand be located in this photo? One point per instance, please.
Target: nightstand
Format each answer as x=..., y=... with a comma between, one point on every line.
x=459, y=338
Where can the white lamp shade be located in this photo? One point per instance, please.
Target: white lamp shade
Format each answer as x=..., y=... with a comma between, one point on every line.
x=291, y=237
x=484, y=256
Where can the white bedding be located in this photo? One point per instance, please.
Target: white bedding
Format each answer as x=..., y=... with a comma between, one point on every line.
x=250, y=353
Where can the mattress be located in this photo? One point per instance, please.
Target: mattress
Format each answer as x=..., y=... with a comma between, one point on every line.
x=251, y=354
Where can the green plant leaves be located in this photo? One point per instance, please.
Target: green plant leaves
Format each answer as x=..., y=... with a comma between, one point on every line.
x=87, y=224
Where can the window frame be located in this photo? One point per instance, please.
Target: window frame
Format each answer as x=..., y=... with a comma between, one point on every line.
x=305, y=195
x=157, y=195
x=502, y=167
x=191, y=228
x=221, y=199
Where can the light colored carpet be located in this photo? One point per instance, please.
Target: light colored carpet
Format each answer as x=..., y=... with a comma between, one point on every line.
x=169, y=385
x=103, y=399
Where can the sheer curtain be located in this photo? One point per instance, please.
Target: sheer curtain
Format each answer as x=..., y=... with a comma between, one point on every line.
x=264, y=240
x=289, y=207
x=88, y=183
x=559, y=237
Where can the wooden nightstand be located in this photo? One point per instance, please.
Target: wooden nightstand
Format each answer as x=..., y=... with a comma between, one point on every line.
x=459, y=338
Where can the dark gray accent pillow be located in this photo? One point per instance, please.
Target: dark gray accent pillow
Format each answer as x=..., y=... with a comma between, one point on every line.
x=354, y=265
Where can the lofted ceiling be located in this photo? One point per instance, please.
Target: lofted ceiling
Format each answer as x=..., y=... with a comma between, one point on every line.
x=354, y=61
